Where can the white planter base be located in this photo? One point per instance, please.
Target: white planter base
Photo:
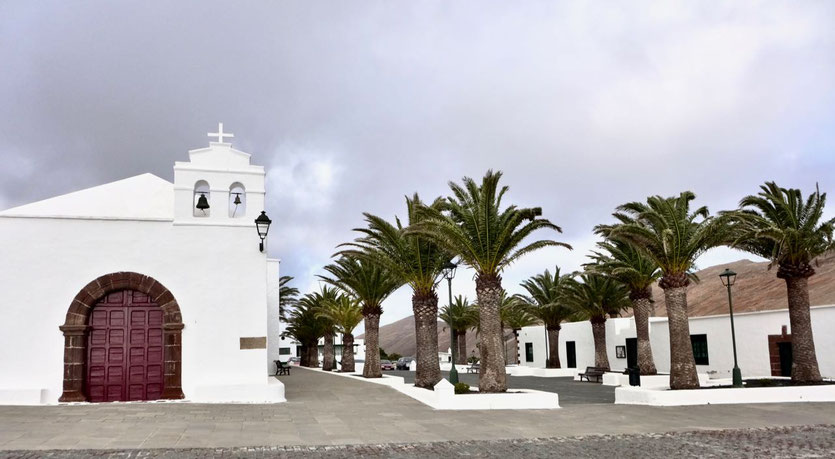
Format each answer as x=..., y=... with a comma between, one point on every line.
x=666, y=397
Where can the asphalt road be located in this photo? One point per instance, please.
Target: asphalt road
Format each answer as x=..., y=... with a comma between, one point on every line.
x=571, y=392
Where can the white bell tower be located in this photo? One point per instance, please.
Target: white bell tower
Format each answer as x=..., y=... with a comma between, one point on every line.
x=232, y=187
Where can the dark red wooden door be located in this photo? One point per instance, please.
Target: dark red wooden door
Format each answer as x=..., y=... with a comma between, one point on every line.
x=125, y=349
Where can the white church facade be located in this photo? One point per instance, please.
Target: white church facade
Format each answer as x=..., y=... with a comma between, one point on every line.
x=143, y=289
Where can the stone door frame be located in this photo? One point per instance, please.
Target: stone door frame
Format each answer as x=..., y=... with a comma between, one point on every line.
x=76, y=327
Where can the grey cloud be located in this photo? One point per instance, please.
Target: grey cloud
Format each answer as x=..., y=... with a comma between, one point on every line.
x=350, y=106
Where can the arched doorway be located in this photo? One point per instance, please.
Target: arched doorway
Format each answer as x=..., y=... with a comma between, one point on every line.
x=122, y=341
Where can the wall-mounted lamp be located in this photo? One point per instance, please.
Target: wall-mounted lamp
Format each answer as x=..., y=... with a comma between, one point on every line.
x=262, y=224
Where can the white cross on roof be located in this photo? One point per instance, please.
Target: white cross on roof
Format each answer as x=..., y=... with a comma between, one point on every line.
x=220, y=134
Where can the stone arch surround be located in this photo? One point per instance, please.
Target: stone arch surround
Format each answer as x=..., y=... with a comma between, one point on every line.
x=76, y=327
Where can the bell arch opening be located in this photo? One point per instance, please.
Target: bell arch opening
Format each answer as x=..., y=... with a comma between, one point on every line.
x=149, y=295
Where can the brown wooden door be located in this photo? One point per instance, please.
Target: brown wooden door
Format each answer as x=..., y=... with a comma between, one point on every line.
x=125, y=349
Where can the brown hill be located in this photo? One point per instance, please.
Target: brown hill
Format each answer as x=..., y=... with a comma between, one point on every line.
x=756, y=289
x=399, y=337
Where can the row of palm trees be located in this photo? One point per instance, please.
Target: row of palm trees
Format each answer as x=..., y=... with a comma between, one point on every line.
x=657, y=241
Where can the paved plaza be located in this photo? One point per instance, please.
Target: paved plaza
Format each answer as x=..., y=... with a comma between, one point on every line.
x=807, y=442
x=332, y=410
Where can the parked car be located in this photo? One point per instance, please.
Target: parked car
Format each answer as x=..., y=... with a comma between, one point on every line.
x=403, y=363
x=386, y=365
x=294, y=361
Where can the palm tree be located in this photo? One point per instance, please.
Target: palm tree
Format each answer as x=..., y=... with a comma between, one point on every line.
x=780, y=225
x=546, y=299
x=345, y=313
x=515, y=315
x=487, y=238
x=625, y=263
x=594, y=298
x=460, y=316
x=371, y=284
x=304, y=325
x=418, y=262
x=324, y=297
x=287, y=296
x=673, y=236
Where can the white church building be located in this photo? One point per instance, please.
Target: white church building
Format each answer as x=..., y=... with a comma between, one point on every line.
x=142, y=289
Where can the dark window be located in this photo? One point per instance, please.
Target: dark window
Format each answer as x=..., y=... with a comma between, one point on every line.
x=284, y=351
x=699, y=343
x=571, y=354
x=528, y=352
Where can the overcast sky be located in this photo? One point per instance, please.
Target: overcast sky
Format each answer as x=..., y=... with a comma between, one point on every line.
x=352, y=105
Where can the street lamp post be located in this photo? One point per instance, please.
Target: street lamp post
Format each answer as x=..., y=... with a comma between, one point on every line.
x=449, y=273
x=728, y=278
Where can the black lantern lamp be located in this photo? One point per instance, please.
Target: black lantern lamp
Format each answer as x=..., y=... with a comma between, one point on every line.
x=728, y=278
x=262, y=224
x=448, y=270
x=202, y=202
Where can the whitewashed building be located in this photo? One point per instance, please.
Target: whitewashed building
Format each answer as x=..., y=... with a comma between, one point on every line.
x=763, y=341
x=137, y=290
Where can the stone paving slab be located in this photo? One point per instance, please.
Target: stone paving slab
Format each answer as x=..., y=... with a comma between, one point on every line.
x=784, y=442
x=326, y=410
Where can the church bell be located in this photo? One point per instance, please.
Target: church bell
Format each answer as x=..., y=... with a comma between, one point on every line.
x=237, y=200
x=202, y=202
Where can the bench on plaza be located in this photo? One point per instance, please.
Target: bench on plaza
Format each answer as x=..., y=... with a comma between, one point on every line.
x=592, y=372
x=281, y=368
x=474, y=367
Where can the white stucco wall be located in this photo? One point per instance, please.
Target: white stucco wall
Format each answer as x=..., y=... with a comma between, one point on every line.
x=752, y=330
x=214, y=270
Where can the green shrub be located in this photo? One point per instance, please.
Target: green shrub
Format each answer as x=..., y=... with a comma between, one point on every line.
x=462, y=388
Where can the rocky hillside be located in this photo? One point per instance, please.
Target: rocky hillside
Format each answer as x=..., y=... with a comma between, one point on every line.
x=756, y=289
x=399, y=337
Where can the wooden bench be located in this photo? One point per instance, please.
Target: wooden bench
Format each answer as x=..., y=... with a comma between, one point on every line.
x=592, y=372
x=473, y=368
x=281, y=368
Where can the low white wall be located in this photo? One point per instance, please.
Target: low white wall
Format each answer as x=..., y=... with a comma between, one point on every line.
x=752, y=330
x=665, y=397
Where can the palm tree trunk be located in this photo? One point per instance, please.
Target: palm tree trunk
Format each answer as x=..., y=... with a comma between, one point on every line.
x=313, y=354
x=461, y=338
x=641, y=305
x=304, y=359
x=683, y=373
x=372, y=369
x=804, y=360
x=553, y=347
x=492, y=376
x=347, y=353
x=328, y=355
x=598, y=331
x=425, y=308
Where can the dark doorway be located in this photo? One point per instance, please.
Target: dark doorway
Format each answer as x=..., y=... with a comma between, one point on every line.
x=528, y=352
x=785, y=350
x=631, y=352
x=570, y=354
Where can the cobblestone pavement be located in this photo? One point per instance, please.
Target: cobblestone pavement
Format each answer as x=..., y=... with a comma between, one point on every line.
x=783, y=442
x=571, y=392
x=334, y=410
